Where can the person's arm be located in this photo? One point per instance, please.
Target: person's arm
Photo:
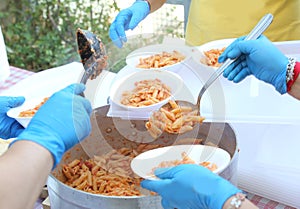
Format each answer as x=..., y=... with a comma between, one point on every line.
x=129, y=18
x=59, y=124
x=260, y=58
x=295, y=90
x=24, y=171
x=294, y=86
x=191, y=186
x=245, y=204
x=156, y=4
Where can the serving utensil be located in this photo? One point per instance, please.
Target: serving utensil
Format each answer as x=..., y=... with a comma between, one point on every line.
x=261, y=26
x=92, y=53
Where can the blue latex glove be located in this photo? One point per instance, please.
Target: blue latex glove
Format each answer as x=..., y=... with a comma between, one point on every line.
x=259, y=58
x=60, y=123
x=9, y=127
x=127, y=19
x=190, y=186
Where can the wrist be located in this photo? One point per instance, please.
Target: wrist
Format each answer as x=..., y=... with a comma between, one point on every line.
x=293, y=70
x=221, y=196
x=238, y=201
x=235, y=201
x=147, y=4
x=50, y=142
x=280, y=81
x=155, y=4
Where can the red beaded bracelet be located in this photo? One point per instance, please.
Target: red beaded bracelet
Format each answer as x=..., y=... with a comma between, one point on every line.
x=295, y=76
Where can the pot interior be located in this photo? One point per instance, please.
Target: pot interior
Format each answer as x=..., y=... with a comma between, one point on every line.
x=115, y=133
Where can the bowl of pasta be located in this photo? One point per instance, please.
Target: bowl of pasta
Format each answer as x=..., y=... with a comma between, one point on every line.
x=210, y=157
x=207, y=54
x=24, y=113
x=160, y=56
x=145, y=90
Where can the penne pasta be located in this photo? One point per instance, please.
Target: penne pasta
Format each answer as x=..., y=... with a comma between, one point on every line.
x=109, y=174
x=175, y=119
x=160, y=60
x=185, y=159
x=145, y=93
x=31, y=112
x=212, y=56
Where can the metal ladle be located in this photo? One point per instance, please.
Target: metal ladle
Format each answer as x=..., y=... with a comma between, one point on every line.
x=92, y=53
x=261, y=26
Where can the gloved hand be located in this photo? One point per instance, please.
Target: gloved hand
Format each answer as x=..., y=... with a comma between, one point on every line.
x=190, y=186
x=128, y=18
x=259, y=58
x=9, y=127
x=60, y=123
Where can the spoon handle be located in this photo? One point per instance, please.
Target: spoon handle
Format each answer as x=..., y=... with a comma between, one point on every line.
x=260, y=27
x=88, y=72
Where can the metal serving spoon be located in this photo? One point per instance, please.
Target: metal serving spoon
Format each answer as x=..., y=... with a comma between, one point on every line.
x=261, y=26
x=92, y=53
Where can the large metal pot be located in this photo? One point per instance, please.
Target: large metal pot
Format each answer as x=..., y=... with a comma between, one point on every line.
x=112, y=133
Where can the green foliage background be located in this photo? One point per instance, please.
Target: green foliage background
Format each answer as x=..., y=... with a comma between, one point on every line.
x=40, y=34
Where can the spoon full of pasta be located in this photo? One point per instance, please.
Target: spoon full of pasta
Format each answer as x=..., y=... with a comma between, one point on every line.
x=165, y=120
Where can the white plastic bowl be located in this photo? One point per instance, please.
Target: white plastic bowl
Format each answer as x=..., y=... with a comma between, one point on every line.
x=133, y=58
x=168, y=78
x=28, y=104
x=143, y=164
x=199, y=55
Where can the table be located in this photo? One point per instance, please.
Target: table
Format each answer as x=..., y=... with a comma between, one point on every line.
x=18, y=74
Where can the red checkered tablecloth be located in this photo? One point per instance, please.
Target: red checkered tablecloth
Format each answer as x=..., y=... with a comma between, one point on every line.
x=264, y=203
x=17, y=74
